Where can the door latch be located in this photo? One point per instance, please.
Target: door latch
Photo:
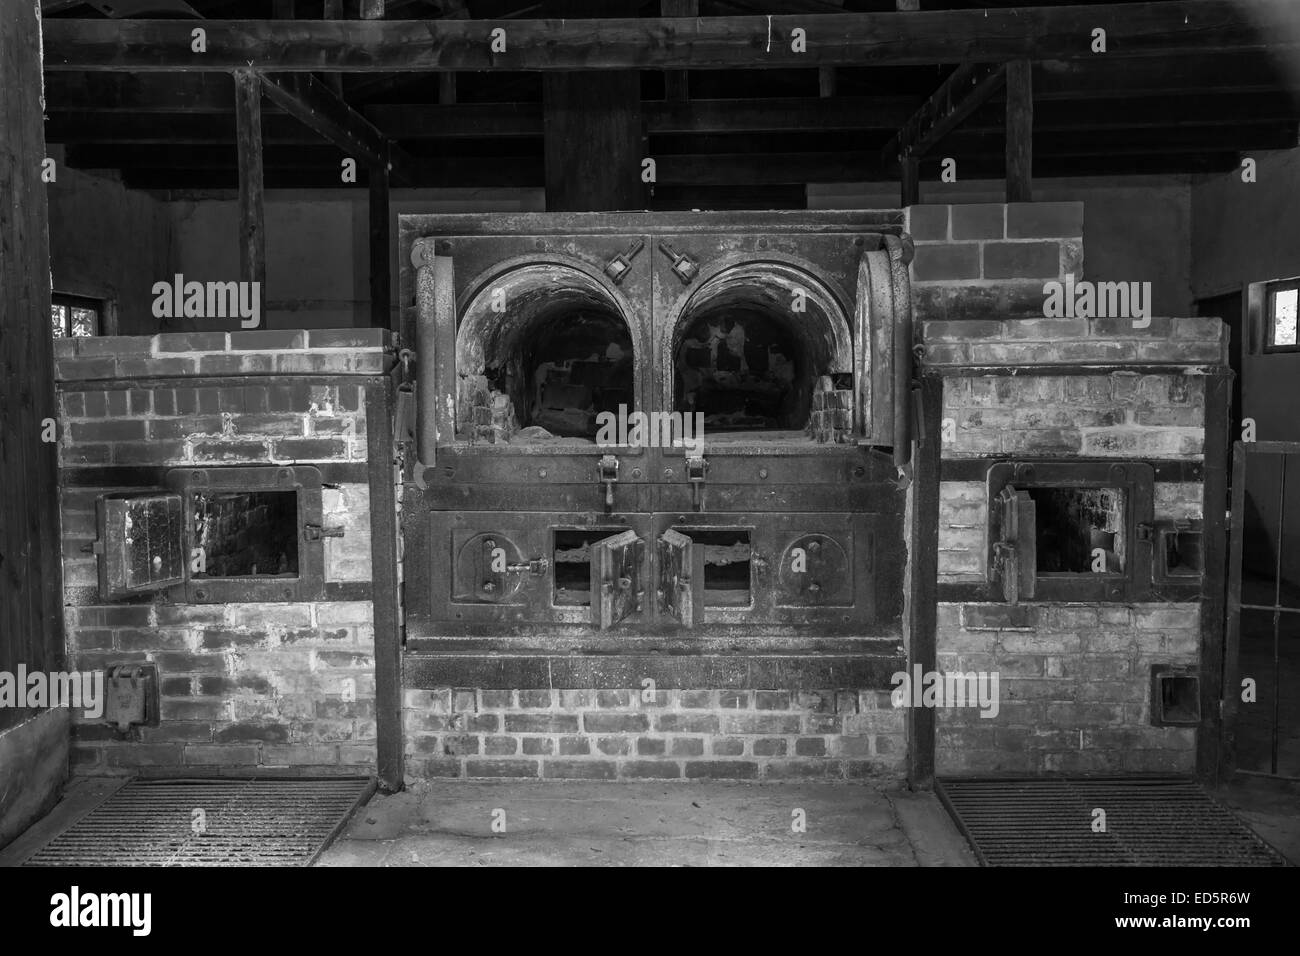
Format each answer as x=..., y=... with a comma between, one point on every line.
x=607, y=472
x=617, y=268
x=314, y=532
x=535, y=566
x=684, y=267
x=696, y=469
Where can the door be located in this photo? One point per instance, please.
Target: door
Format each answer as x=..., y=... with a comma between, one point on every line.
x=1261, y=702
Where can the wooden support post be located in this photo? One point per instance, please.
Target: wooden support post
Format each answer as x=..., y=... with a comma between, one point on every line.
x=332, y=10
x=924, y=610
x=381, y=254
x=676, y=84
x=248, y=135
x=911, y=180
x=1020, y=131
x=908, y=4
x=592, y=130
x=31, y=570
x=826, y=82
x=372, y=9
x=446, y=89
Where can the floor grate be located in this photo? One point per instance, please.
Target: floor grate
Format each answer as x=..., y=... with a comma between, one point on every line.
x=1150, y=821
x=244, y=823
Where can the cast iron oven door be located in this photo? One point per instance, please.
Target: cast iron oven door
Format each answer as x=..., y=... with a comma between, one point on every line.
x=1071, y=531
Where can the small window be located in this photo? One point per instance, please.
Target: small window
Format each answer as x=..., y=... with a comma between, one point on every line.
x=75, y=316
x=1283, y=305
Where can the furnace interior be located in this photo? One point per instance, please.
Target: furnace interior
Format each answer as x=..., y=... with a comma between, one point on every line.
x=541, y=352
x=754, y=345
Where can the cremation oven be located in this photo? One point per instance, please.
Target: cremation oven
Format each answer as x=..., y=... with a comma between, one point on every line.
x=529, y=520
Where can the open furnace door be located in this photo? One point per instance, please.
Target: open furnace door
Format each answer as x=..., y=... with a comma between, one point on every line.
x=681, y=577
x=882, y=345
x=616, y=585
x=1015, y=560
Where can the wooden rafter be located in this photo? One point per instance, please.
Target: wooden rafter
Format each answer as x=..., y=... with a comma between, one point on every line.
x=965, y=90
x=1162, y=28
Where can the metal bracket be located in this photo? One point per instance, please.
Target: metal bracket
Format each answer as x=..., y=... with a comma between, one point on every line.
x=696, y=471
x=535, y=566
x=607, y=474
x=1145, y=532
x=617, y=268
x=684, y=267
x=314, y=532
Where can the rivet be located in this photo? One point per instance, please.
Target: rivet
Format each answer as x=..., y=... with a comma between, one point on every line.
x=762, y=242
x=668, y=472
x=490, y=543
x=636, y=472
x=541, y=472
x=200, y=594
x=762, y=472
x=859, y=472
x=449, y=471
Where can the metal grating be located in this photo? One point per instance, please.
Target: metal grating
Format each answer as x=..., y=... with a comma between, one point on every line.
x=247, y=823
x=1150, y=821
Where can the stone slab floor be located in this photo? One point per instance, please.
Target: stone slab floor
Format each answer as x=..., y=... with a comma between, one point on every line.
x=629, y=824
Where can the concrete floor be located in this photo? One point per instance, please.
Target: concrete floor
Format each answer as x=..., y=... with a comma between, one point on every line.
x=621, y=824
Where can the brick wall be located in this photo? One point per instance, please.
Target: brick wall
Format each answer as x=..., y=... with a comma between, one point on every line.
x=285, y=684
x=1074, y=678
x=1074, y=687
x=677, y=735
x=990, y=259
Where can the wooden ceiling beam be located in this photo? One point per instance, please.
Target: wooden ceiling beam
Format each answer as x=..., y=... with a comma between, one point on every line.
x=965, y=90
x=1158, y=28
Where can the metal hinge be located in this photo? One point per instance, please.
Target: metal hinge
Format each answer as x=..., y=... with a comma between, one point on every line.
x=1145, y=532
x=607, y=474
x=684, y=267
x=696, y=470
x=314, y=532
x=535, y=566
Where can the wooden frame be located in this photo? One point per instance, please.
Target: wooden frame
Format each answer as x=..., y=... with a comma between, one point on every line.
x=1269, y=315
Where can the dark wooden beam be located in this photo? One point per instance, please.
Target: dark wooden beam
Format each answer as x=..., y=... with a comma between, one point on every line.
x=1020, y=131
x=31, y=570
x=676, y=83
x=592, y=131
x=910, y=181
x=1161, y=28
x=965, y=90
x=323, y=110
x=381, y=249
x=248, y=130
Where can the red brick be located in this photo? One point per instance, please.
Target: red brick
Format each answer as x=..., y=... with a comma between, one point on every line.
x=267, y=340
x=978, y=221
x=651, y=746
x=810, y=747
x=927, y=222
x=178, y=730
x=500, y=746
x=770, y=747
x=579, y=769
x=1021, y=260
x=501, y=768
x=210, y=450
x=538, y=746
x=941, y=262
x=722, y=769
x=771, y=700
x=541, y=723
x=222, y=756
x=687, y=723
x=535, y=699
x=144, y=755
x=189, y=342
x=594, y=723
x=1047, y=220
x=347, y=338
x=727, y=747
x=687, y=747
x=651, y=769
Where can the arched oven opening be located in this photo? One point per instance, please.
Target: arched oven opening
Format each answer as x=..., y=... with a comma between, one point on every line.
x=763, y=350
x=541, y=352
